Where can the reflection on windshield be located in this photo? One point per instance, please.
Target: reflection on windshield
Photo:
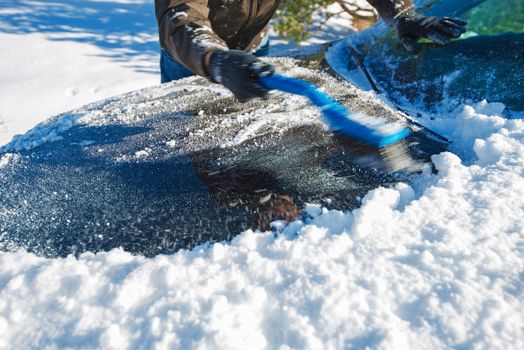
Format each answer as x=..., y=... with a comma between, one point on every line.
x=484, y=17
x=450, y=8
x=494, y=17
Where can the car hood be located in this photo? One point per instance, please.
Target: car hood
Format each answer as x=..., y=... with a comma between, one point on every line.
x=181, y=164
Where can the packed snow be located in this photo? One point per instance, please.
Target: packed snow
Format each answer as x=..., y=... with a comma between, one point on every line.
x=436, y=263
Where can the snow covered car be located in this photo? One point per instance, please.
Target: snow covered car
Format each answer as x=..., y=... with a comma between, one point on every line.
x=182, y=164
x=486, y=62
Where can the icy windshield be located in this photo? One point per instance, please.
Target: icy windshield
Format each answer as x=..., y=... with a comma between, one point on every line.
x=485, y=63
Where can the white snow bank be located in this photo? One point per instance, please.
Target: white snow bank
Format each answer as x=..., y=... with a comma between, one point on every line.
x=431, y=265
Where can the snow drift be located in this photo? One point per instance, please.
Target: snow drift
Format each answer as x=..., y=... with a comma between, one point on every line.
x=436, y=263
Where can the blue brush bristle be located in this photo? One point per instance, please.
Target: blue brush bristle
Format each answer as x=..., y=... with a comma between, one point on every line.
x=358, y=126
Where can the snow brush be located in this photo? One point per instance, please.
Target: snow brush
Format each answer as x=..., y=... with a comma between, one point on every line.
x=374, y=132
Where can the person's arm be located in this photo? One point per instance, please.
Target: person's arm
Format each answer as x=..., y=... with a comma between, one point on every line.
x=185, y=32
x=412, y=26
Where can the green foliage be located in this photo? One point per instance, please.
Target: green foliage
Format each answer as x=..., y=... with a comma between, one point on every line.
x=294, y=17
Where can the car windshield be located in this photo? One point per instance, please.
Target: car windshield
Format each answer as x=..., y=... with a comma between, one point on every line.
x=485, y=63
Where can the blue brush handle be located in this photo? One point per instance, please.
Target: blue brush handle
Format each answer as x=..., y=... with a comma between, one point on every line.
x=337, y=116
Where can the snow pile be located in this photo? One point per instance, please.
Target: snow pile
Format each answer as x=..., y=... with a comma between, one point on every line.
x=44, y=132
x=473, y=125
x=7, y=159
x=435, y=264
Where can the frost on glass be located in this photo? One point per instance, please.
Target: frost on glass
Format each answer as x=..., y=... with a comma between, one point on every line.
x=485, y=63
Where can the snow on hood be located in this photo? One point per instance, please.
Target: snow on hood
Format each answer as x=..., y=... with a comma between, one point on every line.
x=437, y=263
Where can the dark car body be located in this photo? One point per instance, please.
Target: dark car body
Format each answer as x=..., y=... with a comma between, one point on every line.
x=183, y=164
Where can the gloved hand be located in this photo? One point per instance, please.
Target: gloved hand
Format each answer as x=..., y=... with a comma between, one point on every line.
x=412, y=26
x=239, y=72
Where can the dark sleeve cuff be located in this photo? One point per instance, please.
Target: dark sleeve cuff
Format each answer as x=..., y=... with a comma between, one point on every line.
x=389, y=10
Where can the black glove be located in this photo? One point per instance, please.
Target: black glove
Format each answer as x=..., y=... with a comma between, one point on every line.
x=411, y=27
x=239, y=72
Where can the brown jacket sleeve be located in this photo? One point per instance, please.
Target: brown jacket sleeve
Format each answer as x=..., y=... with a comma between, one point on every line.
x=185, y=32
x=388, y=9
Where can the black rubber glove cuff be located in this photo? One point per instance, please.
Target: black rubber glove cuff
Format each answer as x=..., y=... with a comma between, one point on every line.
x=239, y=71
x=412, y=26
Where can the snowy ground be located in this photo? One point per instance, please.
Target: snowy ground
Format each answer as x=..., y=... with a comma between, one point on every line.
x=59, y=55
x=434, y=264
